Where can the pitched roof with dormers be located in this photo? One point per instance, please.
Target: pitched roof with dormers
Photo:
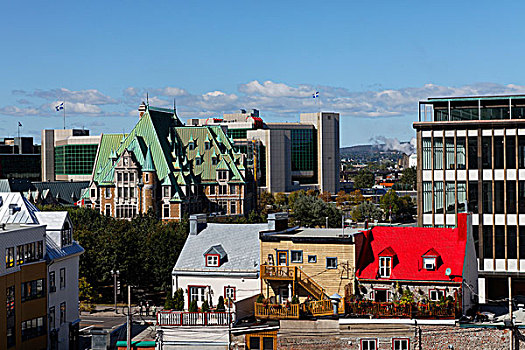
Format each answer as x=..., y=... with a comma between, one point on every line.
x=409, y=245
x=159, y=141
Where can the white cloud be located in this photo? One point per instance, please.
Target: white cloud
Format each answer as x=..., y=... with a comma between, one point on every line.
x=16, y=111
x=89, y=96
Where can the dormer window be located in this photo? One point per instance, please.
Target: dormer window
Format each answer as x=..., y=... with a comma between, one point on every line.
x=222, y=175
x=166, y=191
x=214, y=160
x=212, y=260
x=431, y=260
x=215, y=256
x=207, y=145
x=385, y=266
x=198, y=161
x=429, y=263
x=191, y=146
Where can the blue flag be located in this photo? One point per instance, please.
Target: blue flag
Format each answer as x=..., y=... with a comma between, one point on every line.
x=59, y=107
x=316, y=95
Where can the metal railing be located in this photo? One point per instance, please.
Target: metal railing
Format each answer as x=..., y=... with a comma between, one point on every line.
x=278, y=272
x=182, y=318
x=276, y=311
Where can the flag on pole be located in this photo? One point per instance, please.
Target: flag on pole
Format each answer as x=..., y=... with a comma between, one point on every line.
x=59, y=107
x=316, y=95
x=19, y=124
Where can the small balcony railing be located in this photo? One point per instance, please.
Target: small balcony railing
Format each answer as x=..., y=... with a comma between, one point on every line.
x=182, y=318
x=278, y=272
x=324, y=307
x=398, y=310
x=277, y=311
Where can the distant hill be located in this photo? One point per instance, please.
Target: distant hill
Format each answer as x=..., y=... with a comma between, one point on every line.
x=369, y=153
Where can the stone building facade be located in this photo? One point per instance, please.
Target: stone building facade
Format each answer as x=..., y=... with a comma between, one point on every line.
x=171, y=169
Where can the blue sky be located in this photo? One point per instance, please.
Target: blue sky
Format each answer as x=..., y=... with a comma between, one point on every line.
x=371, y=60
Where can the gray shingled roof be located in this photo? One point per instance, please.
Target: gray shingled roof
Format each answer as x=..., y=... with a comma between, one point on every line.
x=240, y=242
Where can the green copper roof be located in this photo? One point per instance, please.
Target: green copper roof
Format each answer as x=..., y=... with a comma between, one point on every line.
x=148, y=163
x=157, y=144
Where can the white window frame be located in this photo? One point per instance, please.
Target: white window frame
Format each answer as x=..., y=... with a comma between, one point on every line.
x=385, y=266
x=212, y=260
x=437, y=294
x=368, y=344
x=230, y=292
x=400, y=344
x=429, y=263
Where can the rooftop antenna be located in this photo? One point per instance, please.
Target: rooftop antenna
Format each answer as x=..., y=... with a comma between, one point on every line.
x=147, y=99
x=175, y=107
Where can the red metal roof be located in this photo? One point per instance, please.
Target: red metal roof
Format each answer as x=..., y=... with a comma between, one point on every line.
x=409, y=245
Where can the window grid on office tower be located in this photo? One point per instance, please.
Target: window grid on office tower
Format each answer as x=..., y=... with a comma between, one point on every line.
x=75, y=159
x=303, y=150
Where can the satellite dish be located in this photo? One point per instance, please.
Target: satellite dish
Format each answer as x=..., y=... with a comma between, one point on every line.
x=448, y=271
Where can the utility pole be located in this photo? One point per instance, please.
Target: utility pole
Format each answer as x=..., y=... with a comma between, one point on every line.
x=128, y=317
x=327, y=222
x=511, y=342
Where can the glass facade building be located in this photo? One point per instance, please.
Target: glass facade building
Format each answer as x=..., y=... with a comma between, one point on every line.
x=75, y=159
x=471, y=157
x=304, y=155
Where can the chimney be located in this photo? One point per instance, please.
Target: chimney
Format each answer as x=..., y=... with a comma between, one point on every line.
x=277, y=222
x=197, y=224
x=142, y=109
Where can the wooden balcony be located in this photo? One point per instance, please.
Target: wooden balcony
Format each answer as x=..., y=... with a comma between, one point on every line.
x=409, y=310
x=293, y=273
x=182, y=318
x=272, y=272
x=276, y=311
x=324, y=307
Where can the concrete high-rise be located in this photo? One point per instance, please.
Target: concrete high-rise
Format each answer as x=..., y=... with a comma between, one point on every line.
x=286, y=156
x=471, y=157
x=68, y=154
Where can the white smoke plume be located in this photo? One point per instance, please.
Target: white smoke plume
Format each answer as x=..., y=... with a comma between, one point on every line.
x=393, y=144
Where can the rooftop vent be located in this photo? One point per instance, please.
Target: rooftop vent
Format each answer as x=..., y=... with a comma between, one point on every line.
x=13, y=208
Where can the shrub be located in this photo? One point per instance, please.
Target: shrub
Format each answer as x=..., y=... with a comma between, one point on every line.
x=295, y=299
x=193, y=306
x=178, y=300
x=260, y=299
x=205, y=306
x=220, y=305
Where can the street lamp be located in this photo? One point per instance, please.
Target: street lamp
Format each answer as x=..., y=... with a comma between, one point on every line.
x=115, y=274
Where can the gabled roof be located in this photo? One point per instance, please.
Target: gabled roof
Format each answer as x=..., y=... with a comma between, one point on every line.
x=148, y=162
x=216, y=249
x=387, y=252
x=409, y=244
x=241, y=242
x=431, y=253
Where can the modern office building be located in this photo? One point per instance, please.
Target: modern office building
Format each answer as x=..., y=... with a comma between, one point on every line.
x=68, y=154
x=19, y=159
x=471, y=157
x=172, y=169
x=286, y=156
x=23, y=283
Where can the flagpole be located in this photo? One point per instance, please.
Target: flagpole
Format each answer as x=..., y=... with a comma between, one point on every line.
x=64, y=114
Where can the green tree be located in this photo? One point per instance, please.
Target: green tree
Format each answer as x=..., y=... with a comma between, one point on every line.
x=356, y=197
x=364, y=179
x=397, y=209
x=168, y=304
x=85, y=291
x=178, y=300
x=366, y=210
x=409, y=177
x=281, y=200
x=193, y=306
x=292, y=197
x=265, y=202
x=312, y=211
x=220, y=305
x=205, y=306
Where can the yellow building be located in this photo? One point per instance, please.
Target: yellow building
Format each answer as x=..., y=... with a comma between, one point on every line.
x=308, y=263
x=23, y=287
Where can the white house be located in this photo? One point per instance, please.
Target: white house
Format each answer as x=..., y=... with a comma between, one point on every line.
x=218, y=260
x=62, y=257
